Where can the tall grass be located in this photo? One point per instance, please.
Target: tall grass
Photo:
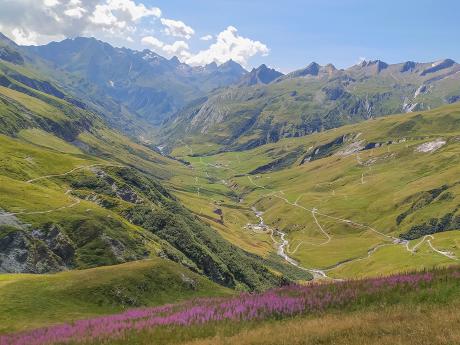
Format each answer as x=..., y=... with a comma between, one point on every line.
x=434, y=286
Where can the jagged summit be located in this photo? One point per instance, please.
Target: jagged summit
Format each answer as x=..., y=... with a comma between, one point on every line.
x=373, y=66
x=232, y=67
x=260, y=75
x=211, y=66
x=175, y=61
x=438, y=65
x=408, y=66
x=314, y=70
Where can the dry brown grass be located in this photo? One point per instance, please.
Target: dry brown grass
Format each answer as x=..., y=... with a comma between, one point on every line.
x=390, y=326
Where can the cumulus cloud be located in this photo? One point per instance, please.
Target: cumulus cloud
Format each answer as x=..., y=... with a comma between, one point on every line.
x=41, y=21
x=177, y=28
x=153, y=42
x=24, y=37
x=50, y=3
x=229, y=45
x=129, y=23
x=207, y=37
x=177, y=48
x=119, y=13
x=75, y=12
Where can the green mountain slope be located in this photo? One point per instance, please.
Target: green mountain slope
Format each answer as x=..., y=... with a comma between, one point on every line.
x=313, y=99
x=76, y=194
x=360, y=200
x=31, y=301
x=22, y=66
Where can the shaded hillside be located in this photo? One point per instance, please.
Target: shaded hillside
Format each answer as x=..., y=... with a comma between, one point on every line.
x=143, y=81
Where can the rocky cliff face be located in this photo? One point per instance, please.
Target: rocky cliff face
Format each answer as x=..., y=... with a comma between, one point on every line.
x=20, y=252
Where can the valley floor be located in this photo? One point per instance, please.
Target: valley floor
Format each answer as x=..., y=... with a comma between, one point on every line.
x=352, y=211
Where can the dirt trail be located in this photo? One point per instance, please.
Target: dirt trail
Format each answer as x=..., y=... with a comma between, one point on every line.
x=73, y=170
x=76, y=200
x=75, y=203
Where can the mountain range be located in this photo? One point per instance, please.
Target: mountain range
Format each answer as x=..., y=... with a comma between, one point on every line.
x=145, y=82
x=312, y=99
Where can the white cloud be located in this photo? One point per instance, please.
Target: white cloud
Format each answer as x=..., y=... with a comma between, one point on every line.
x=108, y=20
x=177, y=28
x=129, y=23
x=103, y=15
x=119, y=14
x=176, y=48
x=22, y=37
x=75, y=12
x=51, y=3
x=152, y=41
x=229, y=45
x=207, y=37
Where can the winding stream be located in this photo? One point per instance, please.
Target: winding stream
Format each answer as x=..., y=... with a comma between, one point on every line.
x=283, y=244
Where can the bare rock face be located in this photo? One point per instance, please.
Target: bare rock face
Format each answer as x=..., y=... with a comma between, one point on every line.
x=58, y=242
x=21, y=253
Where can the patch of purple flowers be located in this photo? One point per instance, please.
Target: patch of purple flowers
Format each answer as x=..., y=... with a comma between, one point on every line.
x=276, y=303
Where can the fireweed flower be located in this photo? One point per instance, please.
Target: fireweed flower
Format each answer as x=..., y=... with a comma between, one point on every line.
x=277, y=303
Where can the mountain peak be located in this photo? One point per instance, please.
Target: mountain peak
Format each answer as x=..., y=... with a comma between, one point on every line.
x=211, y=66
x=408, y=66
x=373, y=66
x=260, y=75
x=175, y=61
x=313, y=69
x=438, y=65
x=231, y=63
x=232, y=66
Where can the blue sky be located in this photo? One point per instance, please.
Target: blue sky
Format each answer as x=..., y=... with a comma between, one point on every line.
x=286, y=34
x=338, y=31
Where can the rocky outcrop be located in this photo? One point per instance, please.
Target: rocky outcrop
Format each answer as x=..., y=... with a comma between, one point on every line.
x=453, y=99
x=58, y=242
x=333, y=93
x=408, y=66
x=22, y=253
x=327, y=149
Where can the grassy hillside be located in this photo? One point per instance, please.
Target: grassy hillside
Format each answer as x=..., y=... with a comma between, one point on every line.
x=76, y=194
x=366, y=199
x=29, y=301
x=412, y=308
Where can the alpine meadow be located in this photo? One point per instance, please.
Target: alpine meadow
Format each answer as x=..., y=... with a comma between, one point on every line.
x=180, y=172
